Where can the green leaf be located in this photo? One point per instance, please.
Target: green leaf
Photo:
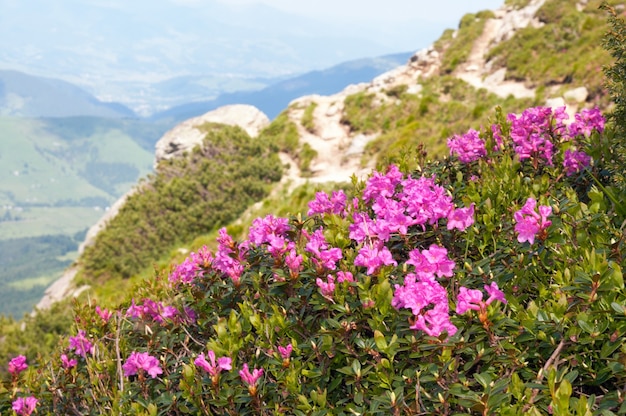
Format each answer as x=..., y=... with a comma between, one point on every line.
x=380, y=340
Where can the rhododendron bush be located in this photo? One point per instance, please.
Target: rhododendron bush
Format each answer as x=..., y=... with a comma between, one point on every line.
x=489, y=282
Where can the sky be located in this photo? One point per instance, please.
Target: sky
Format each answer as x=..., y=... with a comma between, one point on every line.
x=384, y=11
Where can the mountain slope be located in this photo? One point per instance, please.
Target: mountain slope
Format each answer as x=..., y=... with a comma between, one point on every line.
x=30, y=96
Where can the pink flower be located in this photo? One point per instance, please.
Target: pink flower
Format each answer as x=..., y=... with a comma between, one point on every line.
x=214, y=367
x=530, y=222
x=105, y=314
x=575, y=161
x=461, y=218
x=327, y=288
x=494, y=293
x=418, y=294
x=80, y=344
x=250, y=378
x=324, y=255
x=373, y=257
x=294, y=262
x=324, y=205
x=17, y=365
x=438, y=257
x=66, y=362
x=134, y=311
x=472, y=299
x=142, y=361
x=285, y=352
x=469, y=147
x=344, y=277
x=532, y=133
x=435, y=321
x=25, y=406
x=586, y=122
x=468, y=299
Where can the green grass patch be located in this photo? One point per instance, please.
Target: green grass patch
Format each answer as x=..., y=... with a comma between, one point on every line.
x=307, y=118
x=456, y=49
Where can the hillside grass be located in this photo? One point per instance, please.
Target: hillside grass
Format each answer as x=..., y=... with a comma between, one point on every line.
x=565, y=49
x=407, y=122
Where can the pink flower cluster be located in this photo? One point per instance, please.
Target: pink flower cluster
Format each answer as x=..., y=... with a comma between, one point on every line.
x=534, y=135
x=156, y=311
x=421, y=290
x=192, y=267
x=81, y=345
x=141, y=361
x=322, y=204
x=532, y=132
x=468, y=147
x=529, y=222
x=17, y=365
x=24, y=406
x=472, y=299
x=229, y=261
x=250, y=378
x=586, y=122
x=575, y=161
x=322, y=255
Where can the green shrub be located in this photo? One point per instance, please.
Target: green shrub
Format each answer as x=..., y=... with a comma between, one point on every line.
x=282, y=134
x=551, y=342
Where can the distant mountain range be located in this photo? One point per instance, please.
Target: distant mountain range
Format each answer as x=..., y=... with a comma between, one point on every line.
x=138, y=52
x=23, y=95
x=273, y=99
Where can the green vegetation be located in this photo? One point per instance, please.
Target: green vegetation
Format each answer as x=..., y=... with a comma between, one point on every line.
x=517, y=4
x=614, y=151
x=186, y=197
x=307, y=118
x=34, y=335
x=446, y=105
x=553, y=53
x=544, y=337
x=455, y=49
x=282, y=135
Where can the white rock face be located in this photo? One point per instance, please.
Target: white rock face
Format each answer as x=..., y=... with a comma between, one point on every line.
x=578, y=95
x=186, y=136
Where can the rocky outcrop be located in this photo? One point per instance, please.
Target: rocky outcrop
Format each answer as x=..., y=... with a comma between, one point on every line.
x=186, y=135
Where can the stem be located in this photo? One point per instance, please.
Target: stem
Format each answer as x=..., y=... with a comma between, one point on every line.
x=542, y=371
x=117, y=354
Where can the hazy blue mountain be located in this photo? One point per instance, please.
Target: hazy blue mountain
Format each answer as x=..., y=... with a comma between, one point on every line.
x=120, y=50
x=275, y=98
x=30, y=96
